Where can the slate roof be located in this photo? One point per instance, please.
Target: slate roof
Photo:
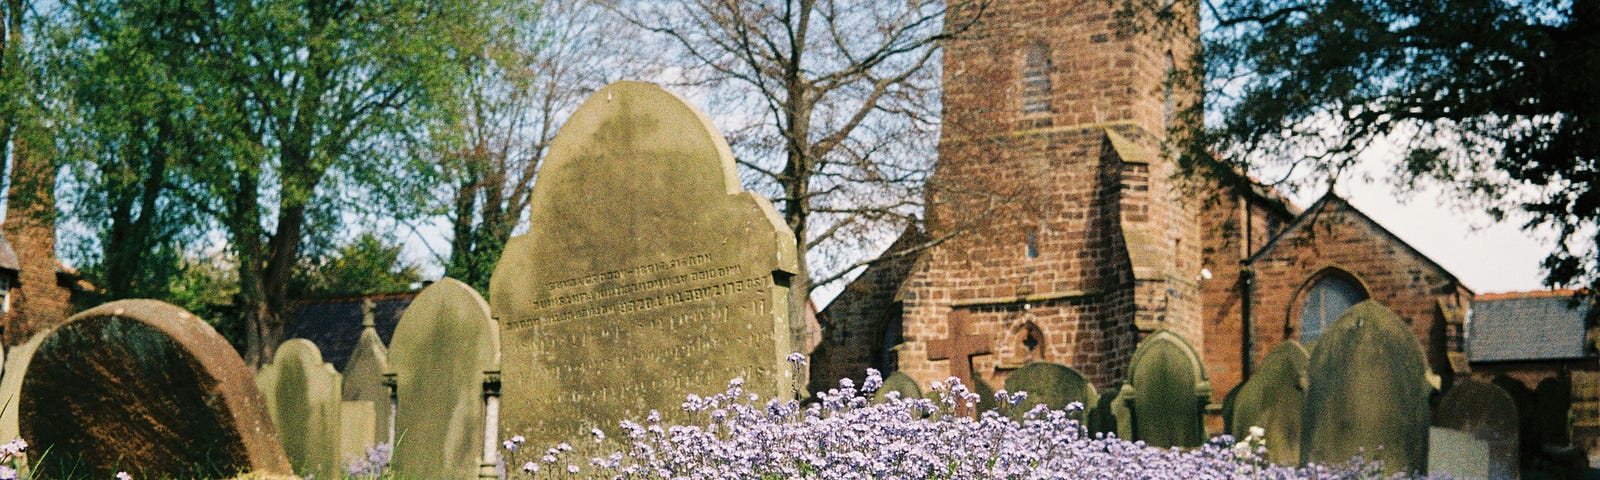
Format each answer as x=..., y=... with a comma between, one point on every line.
x=1527, y=326
x=335, y=324
x=8, y=257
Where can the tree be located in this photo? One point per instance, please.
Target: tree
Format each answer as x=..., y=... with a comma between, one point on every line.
x=367, y=265
x=831, y=107
x=122, y=113
x=1494, y=99
x=304, y=110
x=541, y=62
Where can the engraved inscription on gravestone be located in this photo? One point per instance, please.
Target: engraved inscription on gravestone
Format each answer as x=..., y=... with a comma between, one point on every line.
x=647, y=273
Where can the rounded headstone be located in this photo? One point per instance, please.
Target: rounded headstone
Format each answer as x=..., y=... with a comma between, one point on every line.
x=1272, y=400
x=147, y=388
x=1367, y=394
x=302, y=394
x=1487, y=413
x=440, y=350
x=897, y=382
x=1051, y=384
x=1167, y=393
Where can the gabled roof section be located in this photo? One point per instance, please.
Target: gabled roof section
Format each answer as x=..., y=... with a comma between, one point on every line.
x=334, y=324
x=1332, y=200
x=1528, y=326
x=8, y=257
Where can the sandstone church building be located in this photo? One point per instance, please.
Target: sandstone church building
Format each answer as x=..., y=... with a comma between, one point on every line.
x=1070, y=239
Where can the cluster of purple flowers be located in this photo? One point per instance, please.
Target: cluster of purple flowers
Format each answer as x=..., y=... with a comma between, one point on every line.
x=371, y=464
x=845, y=436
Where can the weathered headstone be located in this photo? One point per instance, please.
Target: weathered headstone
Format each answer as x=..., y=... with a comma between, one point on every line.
x=303, y=396
x=1459, y=454
x=1272, y=398
x=1527, y=425
x=647, y=274
x=16, y=366
x=147, y=388
x=1051, y=384
x=1166, y=394
x=897, y=382
x=356, y=429
x=1487, y=413
x=441, y=352
x=363, y=375
x=1367, y=389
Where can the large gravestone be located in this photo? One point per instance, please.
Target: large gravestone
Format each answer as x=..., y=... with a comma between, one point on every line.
x=442, y=352
x=1050, y=384
x=147, y=388
x=303, y=396
x=647, y=274
x=1367, y=389
x=1272, y=398
x=363, y=375
x=1487, y=413
x=1164, y=400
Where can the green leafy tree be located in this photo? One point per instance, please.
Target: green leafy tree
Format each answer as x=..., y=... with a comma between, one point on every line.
x=123, y=116
x=1494, y=99
x=367, y=265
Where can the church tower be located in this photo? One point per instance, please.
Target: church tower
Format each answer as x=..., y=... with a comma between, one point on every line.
x=1069, y=238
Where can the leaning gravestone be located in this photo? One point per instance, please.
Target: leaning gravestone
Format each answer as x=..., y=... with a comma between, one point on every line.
x=303, y=396
x=1487, y=413
x=143, y=387
x=363, y=375
x=1368, y=390
x=1271, y=399
x=1050, y=384
x=1164, y=400
x=647, y=274
x=444, y=349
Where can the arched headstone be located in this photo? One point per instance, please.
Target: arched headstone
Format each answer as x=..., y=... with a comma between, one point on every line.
x=440, y=352
x=1487, y=413
x=1051, y=384
x=1166, y=393
x=1367, y=389
x=144, y=387
x=897, y=382
x=363, y=376
x=1272, y=398
x=648, y=273
x=303, y=396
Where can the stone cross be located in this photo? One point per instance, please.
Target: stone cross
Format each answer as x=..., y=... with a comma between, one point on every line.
x=959, y=348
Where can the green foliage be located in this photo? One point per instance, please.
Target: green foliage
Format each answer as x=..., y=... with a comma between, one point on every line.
x=367, y=265
x=1494, y=99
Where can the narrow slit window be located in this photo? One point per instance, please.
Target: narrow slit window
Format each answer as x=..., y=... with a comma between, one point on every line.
x=1031, y=244
x=1036, y=80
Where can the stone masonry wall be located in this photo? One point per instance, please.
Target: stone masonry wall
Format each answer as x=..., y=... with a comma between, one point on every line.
x=1040, y=201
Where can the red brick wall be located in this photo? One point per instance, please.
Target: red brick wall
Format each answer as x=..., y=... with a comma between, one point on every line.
x=1225, y=226
x=38, y=301
x=1339, y=237
x=1002, y=174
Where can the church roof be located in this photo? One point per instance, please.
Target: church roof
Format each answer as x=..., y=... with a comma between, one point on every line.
x=8, y=257
x=1527, y=326
x=1330, y=200
x=334, y=324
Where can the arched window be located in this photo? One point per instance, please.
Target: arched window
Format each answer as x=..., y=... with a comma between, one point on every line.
x=1036, y=79
x=1331, y=295
x=1030, y=343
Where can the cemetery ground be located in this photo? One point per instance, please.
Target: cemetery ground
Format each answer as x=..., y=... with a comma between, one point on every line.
x=641, y=329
